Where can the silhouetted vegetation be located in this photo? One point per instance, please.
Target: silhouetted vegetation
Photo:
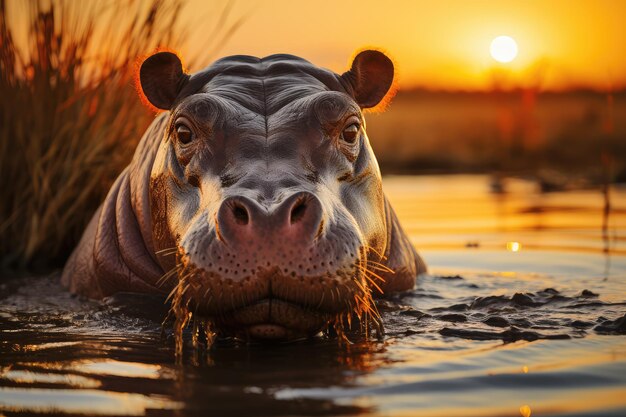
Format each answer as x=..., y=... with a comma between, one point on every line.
x=70, y=117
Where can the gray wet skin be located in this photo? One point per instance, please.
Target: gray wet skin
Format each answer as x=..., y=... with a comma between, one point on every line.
x=256, y=197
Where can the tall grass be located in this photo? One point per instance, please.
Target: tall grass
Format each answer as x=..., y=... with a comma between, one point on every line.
x=70, y=117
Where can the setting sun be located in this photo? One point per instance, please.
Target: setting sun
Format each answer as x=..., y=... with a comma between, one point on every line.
x=503, y=49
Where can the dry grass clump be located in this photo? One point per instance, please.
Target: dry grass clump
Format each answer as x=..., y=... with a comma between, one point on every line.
x=70, y=117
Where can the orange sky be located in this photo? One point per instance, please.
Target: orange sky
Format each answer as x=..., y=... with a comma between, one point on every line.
x=439, y=44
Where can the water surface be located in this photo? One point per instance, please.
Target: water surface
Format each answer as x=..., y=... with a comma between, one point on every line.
x=517, y=316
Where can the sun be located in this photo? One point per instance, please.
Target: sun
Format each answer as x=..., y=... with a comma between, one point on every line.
x=503, y=49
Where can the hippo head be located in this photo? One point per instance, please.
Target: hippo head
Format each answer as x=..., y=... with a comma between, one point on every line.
x=266, y=197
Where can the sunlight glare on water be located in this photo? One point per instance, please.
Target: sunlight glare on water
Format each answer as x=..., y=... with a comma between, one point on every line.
x=117, y=368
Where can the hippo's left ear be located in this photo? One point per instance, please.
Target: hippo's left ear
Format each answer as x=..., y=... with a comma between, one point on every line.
x=162, y=78
x=371, y=76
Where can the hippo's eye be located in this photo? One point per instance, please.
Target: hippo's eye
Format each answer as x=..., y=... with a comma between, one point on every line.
x=183, y=133
x=351, y=133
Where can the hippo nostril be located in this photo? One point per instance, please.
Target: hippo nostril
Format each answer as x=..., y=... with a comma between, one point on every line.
x=297, y=212
x=241, y=219
x=240, y=214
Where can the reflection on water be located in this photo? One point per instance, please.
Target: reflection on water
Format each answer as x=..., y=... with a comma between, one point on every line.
x=37, y=400
x=454, y=211
x=518, y=316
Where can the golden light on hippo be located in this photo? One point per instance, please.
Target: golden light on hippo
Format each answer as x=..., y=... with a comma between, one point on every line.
x=254, y=201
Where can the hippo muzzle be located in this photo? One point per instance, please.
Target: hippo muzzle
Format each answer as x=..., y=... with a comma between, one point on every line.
x=266, y=210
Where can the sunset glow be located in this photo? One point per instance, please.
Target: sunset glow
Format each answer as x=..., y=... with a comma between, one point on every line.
x=436, y=45
x=503, y=49
x=439, y=45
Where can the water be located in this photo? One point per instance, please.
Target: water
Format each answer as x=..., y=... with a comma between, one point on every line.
x=515, y=318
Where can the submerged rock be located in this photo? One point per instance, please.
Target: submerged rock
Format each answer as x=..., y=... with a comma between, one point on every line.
x=587, y=294
x=455, y=318
x=508, y=336
x=496, y=321
x=617, y=326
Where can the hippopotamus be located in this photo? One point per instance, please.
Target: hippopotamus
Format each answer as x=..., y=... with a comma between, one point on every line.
x=254, y=199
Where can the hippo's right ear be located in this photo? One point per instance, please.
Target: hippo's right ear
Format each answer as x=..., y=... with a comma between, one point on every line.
x=162, y=78
x=371, y=77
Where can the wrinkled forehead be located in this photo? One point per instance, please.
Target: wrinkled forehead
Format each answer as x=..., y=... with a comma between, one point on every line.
x=264, y=85
x=213, y=110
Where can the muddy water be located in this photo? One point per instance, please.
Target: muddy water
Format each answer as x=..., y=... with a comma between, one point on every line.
x=518, y=316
